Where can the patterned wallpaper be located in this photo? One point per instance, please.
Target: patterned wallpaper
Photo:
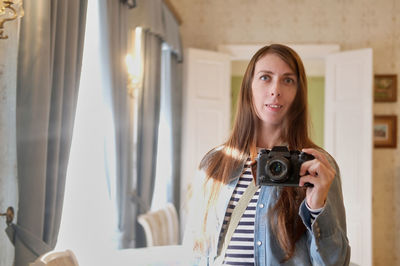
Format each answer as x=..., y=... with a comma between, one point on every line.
x=353, y=24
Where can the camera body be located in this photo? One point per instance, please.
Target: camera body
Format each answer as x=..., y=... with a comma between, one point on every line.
x=280, y=167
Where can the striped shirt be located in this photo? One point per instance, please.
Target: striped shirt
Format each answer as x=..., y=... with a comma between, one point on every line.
x=240, y=250
x=314, y=212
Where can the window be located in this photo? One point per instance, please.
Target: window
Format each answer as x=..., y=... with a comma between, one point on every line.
x=89, y=225
x=163, y=182
x=88, y=219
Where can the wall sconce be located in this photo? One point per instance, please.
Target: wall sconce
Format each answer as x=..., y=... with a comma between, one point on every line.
x=133, y=74
x=134, y=64
x=9, y=10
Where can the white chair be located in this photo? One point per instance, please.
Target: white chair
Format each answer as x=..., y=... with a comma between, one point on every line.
x=161, y=227
x=56, y=258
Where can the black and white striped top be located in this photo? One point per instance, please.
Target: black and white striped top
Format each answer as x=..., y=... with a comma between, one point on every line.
x=240, y=250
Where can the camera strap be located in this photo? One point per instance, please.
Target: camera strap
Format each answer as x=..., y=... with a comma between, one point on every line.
x=235, y=218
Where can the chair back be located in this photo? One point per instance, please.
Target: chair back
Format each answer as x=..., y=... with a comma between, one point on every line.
x=56, y=258
x=161, y=227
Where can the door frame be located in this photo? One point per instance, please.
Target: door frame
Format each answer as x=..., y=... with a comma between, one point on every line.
x=312, y=55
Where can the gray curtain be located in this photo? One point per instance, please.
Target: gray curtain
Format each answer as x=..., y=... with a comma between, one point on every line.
x=176, y=125
x=173, y=82
x=160, y=27
x=147, y=131
x=136, y=166
x=171, y=93
x=49, y=65
x=114, y=47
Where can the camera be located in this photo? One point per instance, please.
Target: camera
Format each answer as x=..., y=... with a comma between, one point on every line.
x=280, y=167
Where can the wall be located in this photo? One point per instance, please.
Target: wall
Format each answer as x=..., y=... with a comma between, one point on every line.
x=8, y=148
x=352, y=24
x=236, y=82
x=316, y=91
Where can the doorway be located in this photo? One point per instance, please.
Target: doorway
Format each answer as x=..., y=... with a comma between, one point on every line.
x=347, y=121
x=347, y=128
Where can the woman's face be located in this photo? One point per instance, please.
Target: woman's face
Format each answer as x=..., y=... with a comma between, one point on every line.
x=274, y=88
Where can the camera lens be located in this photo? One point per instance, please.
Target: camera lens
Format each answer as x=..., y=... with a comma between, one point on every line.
x=277, y=169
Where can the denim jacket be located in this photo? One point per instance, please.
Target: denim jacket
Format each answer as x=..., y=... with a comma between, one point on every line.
x=323, y=243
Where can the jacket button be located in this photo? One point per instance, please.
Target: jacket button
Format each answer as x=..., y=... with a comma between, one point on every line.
x=259, y=243
x=261, y=205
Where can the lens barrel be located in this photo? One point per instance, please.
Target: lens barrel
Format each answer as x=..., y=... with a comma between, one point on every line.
x=277, y=169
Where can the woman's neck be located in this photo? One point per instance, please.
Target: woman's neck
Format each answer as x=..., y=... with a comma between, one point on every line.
x=269, y=137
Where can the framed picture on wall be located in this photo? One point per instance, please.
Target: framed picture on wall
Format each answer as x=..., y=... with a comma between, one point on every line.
x=385, y=88
x=385, y=131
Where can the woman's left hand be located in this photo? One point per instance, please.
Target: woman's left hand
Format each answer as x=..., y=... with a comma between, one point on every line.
x=320, y=173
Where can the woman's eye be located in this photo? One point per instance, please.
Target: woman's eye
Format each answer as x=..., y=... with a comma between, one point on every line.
x=264, y=77
x=289, y=81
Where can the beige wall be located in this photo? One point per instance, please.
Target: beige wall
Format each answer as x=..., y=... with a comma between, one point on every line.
x=352, y=24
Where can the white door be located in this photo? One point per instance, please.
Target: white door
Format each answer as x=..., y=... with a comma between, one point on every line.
x=206, y=109
x=348, y=137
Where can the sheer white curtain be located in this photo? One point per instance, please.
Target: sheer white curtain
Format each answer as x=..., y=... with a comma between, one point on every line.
x=163, y=183
x=167, y=185
x=88, y=219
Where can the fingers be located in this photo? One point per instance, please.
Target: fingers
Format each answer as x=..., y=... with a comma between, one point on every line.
x=317, y=171
x=317, y=194
x=315, y=180
x=319, y=165
x=318, y=155
x=306, y=179
x=320, y=173
x=311, y=167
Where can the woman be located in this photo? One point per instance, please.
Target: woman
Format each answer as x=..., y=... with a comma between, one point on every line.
x=302, y=225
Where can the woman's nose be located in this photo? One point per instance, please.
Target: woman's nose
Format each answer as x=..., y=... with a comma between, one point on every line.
x=275, y=90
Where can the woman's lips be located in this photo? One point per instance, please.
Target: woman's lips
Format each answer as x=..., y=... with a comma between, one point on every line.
x=274, y=107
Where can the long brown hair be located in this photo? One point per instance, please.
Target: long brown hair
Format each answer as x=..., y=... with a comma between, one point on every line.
x=241, y=144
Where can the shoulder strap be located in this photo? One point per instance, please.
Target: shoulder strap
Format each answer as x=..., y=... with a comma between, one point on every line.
x=235, y=218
